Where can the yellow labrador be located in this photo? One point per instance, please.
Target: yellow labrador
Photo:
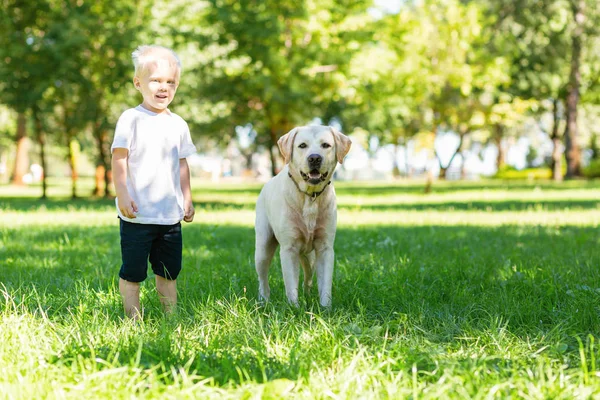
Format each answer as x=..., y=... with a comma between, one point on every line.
x=297, y=210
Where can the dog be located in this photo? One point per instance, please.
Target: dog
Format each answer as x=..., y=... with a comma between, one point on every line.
x=297, y=210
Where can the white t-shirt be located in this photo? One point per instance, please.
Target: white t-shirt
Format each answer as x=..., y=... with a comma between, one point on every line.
x=156, y=143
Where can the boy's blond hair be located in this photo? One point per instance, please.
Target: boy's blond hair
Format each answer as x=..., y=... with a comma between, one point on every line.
x=147, y=55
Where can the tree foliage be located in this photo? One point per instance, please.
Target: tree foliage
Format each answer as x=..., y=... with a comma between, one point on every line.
x=476, y=69
x=279, y=63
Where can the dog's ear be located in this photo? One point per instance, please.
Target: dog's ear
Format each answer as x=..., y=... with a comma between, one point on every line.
x=342, y=144
x=286, y=145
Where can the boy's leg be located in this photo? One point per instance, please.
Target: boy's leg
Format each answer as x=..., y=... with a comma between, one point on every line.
x=136, y=241
x=130, y=293
x=165, y=257
x=167, y=293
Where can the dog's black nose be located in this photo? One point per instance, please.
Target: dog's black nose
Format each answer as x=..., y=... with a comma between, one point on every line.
x=314, y=160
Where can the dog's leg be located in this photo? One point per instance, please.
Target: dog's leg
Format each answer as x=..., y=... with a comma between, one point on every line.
x=262, y=258
x=324, y=267
x=308, y=265
x=266, y=244
x=290, y=267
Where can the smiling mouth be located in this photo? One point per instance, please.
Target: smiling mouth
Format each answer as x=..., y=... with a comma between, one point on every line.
x=314, y=177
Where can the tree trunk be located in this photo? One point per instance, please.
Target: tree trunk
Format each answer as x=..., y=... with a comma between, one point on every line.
x=73, y=160
x=99, y=180
x=108, y=182
x=21, y=159
x=406, y=162
x=100, y=167
x=463, y=166
x=556, y=162
x=41, y=139
x=442, y=175
x=273, y=150
x=428, y=162
x=428, y=182
x=395, y=167
x=498, y=136
x=102, y=176
x=572, y=150
x=444, y=170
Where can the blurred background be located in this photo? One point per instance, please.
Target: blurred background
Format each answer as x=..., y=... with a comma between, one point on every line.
x=445, y=89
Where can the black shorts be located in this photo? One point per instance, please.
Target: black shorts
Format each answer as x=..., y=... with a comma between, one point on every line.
x=161, y=244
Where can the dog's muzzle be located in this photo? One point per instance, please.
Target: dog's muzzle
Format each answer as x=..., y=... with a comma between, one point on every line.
x=314, y=176
x=314, y=161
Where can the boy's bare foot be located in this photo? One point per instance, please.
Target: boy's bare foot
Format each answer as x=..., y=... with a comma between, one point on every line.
x=130, y=294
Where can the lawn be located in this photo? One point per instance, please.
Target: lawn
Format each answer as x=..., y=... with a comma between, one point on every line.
x=477, y=290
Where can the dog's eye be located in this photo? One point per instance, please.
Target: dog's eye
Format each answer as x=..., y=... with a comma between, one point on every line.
x=302, y=145
x=325, y=145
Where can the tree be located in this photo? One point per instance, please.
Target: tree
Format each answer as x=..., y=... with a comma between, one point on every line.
x=541, y=39
x=23, y=72
x=572, y=151
x=279, y=63
x=112, y=29
x=384, y=92
x=463, y=75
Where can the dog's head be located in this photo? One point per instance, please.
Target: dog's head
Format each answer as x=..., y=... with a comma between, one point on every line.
x=314, y=151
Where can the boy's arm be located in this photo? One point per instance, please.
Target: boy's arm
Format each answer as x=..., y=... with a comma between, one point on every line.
x=186, y=189
x=119, y=170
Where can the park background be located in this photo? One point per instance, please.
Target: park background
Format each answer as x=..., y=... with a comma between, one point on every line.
x=457, y=89
x=467, y=243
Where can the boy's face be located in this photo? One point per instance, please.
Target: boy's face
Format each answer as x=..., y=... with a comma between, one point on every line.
x=158, y=84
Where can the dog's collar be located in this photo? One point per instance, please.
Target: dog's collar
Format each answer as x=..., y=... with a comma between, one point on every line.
x=312, y=195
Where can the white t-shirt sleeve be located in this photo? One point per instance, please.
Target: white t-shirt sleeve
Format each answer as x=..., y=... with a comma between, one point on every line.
x=123, y=132
x=187, y=146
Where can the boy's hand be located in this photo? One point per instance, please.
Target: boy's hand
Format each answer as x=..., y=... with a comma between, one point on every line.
x=127, y=206
x=125, y=203
x=189, y=212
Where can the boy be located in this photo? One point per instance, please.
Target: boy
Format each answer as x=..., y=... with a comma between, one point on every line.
x=152, y=180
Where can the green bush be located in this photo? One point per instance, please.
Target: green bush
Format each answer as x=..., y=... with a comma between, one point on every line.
x=592, y=170
x=527, y=173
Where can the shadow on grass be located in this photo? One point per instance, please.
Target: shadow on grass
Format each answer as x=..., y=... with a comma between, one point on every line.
x=511, y=205
x=28, y=204
x=56, y=204
x=415, y=187
x=433, y=282
x=367, y=188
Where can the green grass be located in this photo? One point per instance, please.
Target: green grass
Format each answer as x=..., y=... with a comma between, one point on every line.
x=478, y=290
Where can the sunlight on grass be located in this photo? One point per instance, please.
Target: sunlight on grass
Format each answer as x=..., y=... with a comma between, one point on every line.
x=479, y=290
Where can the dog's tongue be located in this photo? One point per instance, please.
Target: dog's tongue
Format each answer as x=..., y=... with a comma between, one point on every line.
x=314, y=174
